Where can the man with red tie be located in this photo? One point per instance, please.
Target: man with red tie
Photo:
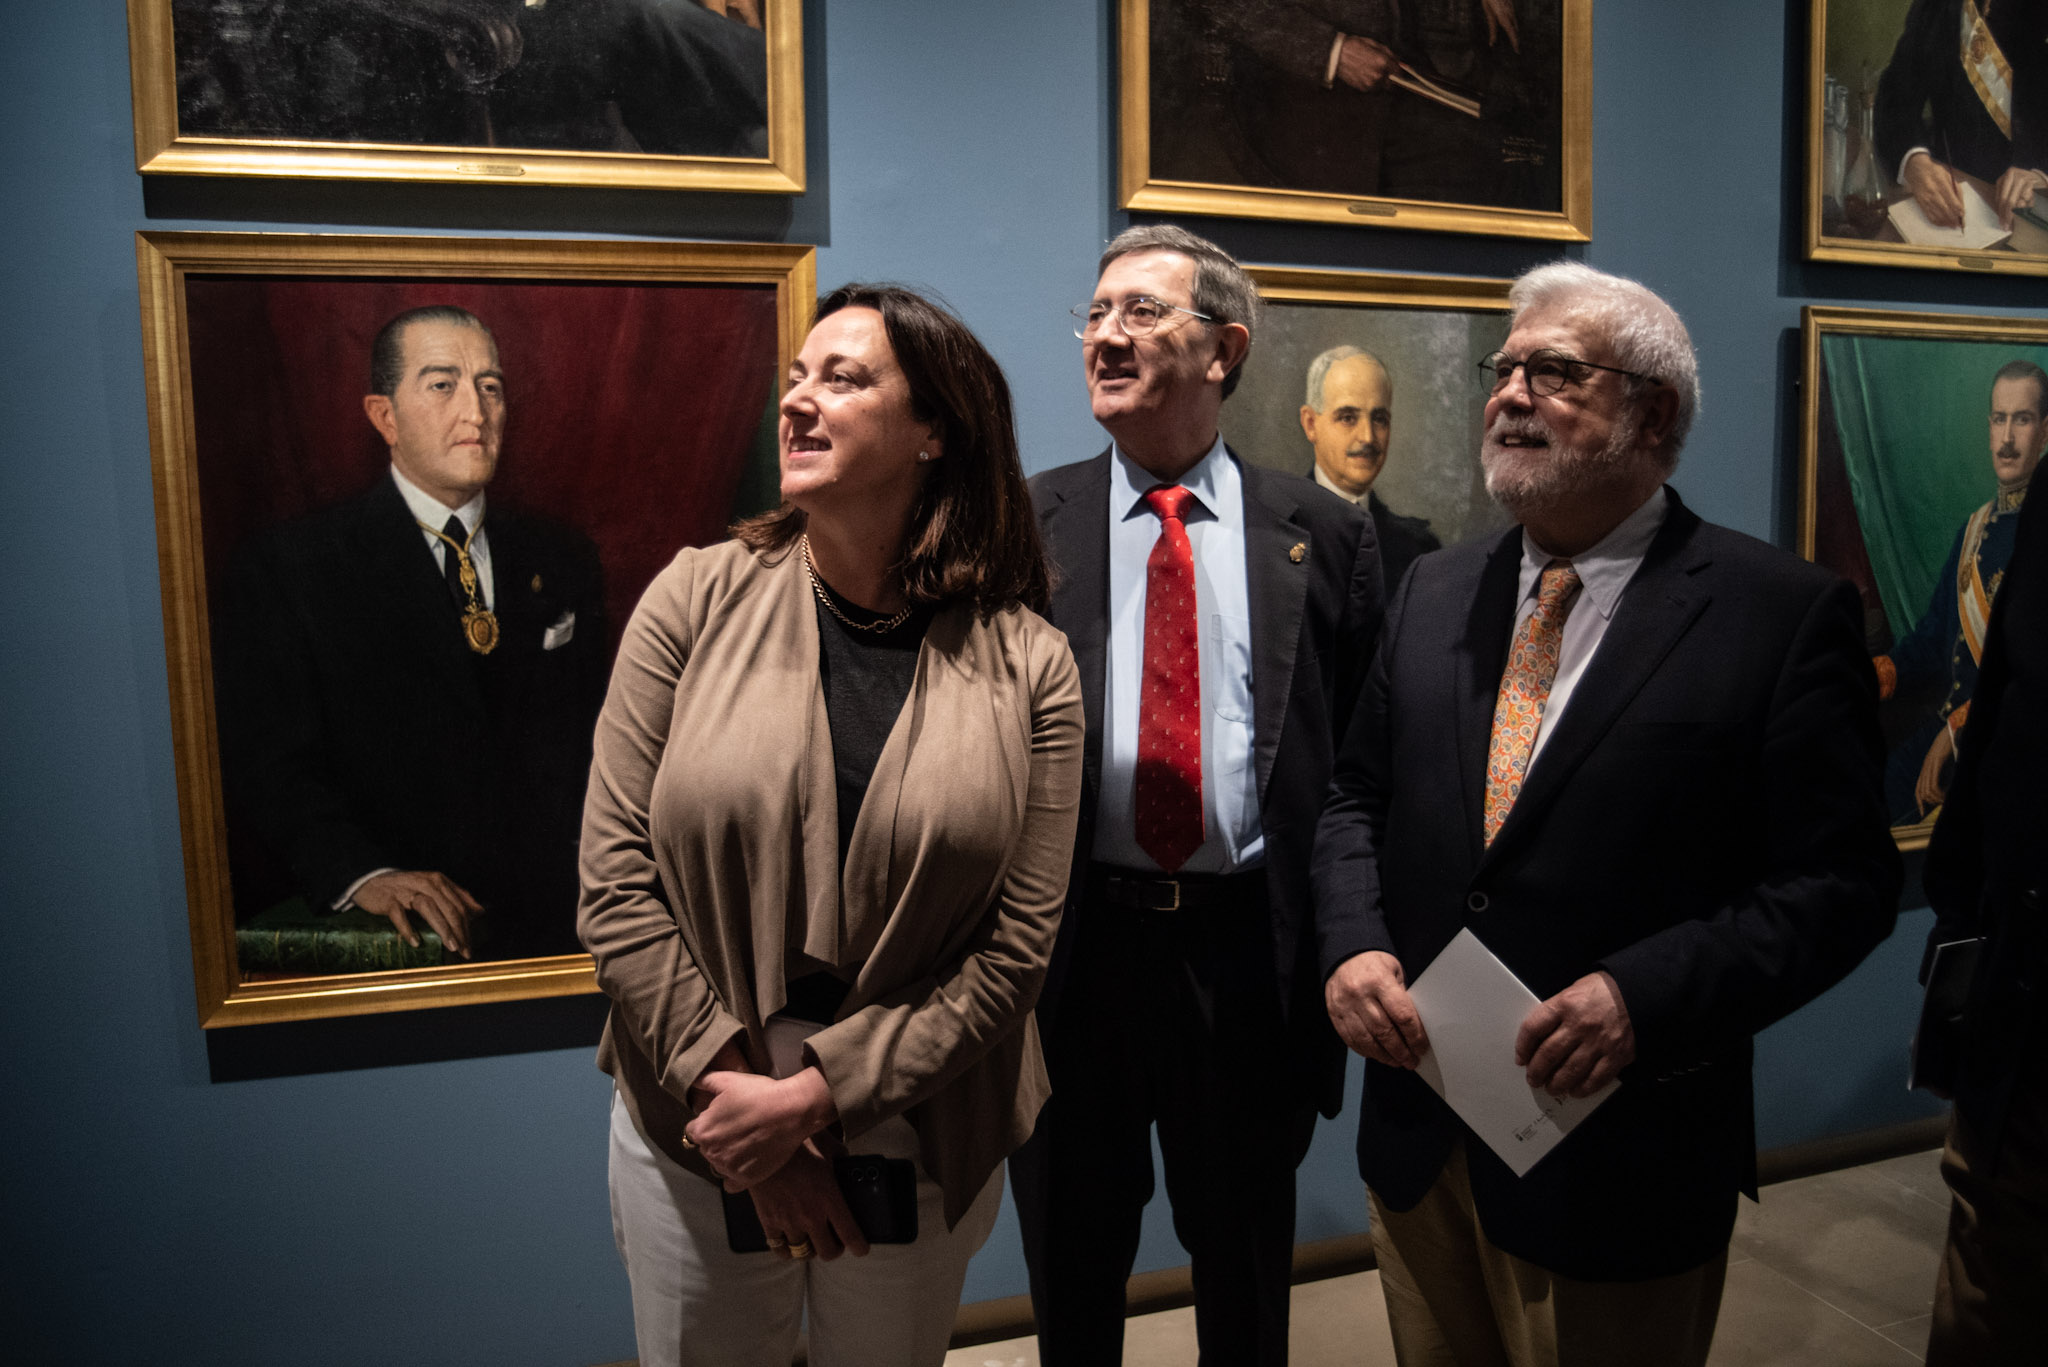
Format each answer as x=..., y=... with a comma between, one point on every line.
x=1637, y=756
x=1222, y=616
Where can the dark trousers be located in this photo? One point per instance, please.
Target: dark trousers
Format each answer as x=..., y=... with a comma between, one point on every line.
x=1169, y=1018
x=1991, y=1295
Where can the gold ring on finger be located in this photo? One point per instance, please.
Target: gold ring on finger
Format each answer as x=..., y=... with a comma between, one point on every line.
x=800, y=1248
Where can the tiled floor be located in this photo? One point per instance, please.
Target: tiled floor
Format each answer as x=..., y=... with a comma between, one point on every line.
x=1829, y=1271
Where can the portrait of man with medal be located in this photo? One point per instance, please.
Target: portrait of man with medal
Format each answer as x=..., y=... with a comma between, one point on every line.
x=408, y=679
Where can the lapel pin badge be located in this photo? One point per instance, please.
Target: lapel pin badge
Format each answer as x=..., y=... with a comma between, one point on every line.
x=1298, y=552
x=536, y=583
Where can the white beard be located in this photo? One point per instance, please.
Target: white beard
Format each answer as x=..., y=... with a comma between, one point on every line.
x=1528, y=481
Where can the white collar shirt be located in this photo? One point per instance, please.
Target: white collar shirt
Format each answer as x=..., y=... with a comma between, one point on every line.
x=429, y=511
x=1605, y=570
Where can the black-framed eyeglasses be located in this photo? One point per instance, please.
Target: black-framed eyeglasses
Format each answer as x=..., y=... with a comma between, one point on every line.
x=1141, y=313
x=1548, y=372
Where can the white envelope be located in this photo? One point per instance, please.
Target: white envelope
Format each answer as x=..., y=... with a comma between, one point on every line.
x=1472, y=1007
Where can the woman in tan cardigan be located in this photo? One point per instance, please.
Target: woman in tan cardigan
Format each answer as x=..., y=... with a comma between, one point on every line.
x=824, y=850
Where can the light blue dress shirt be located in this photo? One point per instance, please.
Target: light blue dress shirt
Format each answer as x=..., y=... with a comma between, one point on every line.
x=1232, y=837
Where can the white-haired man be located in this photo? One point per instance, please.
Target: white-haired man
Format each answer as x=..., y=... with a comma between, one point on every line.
x=1698, y=848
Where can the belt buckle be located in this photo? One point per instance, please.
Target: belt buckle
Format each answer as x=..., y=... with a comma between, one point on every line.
x=1173, y=883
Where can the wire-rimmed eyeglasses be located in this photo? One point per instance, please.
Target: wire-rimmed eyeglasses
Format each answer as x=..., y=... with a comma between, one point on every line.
x=1549, y=371
x=1140, y=314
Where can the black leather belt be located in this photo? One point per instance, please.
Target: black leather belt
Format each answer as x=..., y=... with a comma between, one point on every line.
x=1187, y=892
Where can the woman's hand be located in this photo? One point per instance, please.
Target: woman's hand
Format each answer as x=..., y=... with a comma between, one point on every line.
x=801, y=1204
x=753, y=1124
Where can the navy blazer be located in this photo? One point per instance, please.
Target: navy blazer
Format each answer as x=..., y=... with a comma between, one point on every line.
x=1314, y=621
x=1705, y=825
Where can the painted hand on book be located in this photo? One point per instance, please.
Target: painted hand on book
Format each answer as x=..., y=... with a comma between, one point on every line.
x=2016, y=190
x=1363, y=64
x=1500, y=19
x=435, y=897
x=753, y=1124
x=1574, y=1043
x=801, y=1203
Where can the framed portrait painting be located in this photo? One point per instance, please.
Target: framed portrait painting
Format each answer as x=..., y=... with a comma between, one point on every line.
x=408, y=492
x=1370, y=384
x=1469, y=116
x=673, y=94
x=1927, y=134
x=1920, y=433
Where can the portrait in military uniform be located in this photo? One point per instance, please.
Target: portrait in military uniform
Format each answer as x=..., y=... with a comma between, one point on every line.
x=1370, y=385
x=653, y=92
x=1922, y=431
x=1927, y=133
x=1425, y=113
x=426, y=506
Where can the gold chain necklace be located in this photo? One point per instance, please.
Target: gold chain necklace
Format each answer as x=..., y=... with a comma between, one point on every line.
x=883, y=627
x=479, y=624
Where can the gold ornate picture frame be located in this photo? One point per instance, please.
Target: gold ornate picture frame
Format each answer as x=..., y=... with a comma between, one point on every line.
x=647, y=94
x=1422, y=338
x=1875, y=93
x=640, y=383
x=1897, y=490
x=1244, y=111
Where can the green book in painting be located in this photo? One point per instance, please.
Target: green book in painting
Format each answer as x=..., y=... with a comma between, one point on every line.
x=292, y=938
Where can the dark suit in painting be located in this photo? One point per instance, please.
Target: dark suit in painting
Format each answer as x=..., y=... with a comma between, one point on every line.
x=1227, y=1047
x=1926, y=98
x=1704, y=825
x=1987, y=874
x=1294, y=127
x=360, y=732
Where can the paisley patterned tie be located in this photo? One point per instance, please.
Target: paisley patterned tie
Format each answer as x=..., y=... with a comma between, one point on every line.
x=1168, y=790
x=1524, y=689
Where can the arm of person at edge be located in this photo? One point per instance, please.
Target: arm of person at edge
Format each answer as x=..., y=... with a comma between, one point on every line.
x=644, y=955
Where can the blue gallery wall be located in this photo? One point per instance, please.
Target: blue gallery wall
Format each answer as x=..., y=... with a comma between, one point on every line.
x=430, y=1187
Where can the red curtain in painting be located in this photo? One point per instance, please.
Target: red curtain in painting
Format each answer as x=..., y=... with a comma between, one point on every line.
x=634, y=412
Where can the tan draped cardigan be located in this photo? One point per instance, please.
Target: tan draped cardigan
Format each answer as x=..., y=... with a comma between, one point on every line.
x=711, y=858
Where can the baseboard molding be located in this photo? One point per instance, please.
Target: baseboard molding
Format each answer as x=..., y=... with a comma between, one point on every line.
x=1851, y=1150
x=1170, y=1288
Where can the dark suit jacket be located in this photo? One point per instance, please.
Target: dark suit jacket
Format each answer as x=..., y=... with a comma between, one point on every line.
x=1927, y=70
x=1313, y=628
x=359, y=730
x=1987, y=866
x=1704, y=825
x=1401, y=538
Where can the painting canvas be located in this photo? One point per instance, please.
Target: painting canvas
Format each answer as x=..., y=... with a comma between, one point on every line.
x=1403, y=353
x=1470, y=115
x=1927, y=134
x=681, y=93
x=384, y=689
x=1921, y=431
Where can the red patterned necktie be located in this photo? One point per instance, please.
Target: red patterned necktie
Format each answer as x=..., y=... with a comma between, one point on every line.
x=1169, y=782
x=1524, y=690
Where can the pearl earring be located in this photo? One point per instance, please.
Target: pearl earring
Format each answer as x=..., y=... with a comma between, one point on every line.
x=924, y=455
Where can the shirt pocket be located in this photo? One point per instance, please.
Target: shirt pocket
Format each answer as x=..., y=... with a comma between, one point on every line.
x=1228, y=687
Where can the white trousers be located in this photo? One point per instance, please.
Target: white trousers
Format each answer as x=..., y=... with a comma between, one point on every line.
x=695, y=1301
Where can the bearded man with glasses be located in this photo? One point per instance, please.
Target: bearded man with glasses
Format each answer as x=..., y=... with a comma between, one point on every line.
x=1637, y=756
x=1222, y=616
